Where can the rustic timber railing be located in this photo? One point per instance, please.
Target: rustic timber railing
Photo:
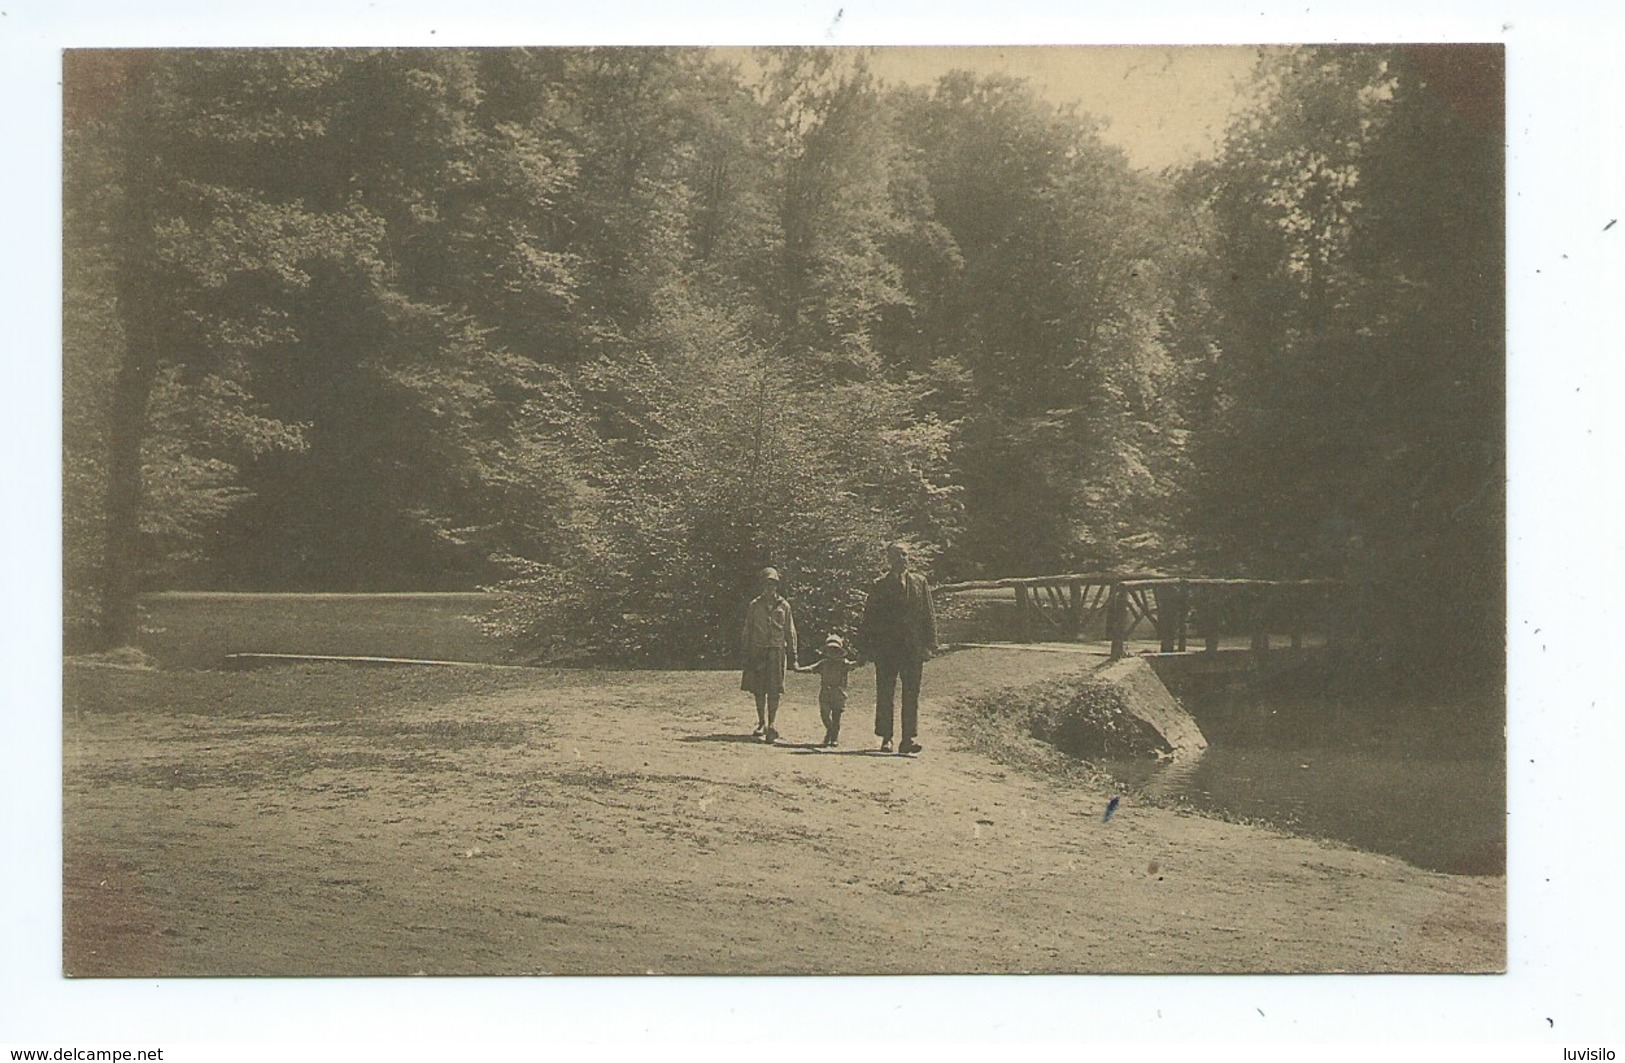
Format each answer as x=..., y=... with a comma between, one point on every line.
x=1257, y=607
x=1174, y=607
x=1053, y=604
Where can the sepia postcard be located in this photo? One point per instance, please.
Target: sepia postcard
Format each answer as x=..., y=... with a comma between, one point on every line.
x=543, y=510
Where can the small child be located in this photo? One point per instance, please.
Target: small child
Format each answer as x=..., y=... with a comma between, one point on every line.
x=832, y=668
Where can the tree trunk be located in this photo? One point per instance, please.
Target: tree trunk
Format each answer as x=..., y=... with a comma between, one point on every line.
x=125, y=493
x=138, y=314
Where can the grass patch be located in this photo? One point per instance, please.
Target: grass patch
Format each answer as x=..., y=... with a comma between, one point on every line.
x=1056, y=728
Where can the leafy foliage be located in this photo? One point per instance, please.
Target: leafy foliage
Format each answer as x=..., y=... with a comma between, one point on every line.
x=1051, y=309
x=1355, y=293
x=747, y=472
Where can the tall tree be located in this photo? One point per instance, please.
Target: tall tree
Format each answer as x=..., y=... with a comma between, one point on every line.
x=424, y=365
x=1049, y=314
x=833, y=153
x=130, y=134
x=1355, y=291
x=362, y=243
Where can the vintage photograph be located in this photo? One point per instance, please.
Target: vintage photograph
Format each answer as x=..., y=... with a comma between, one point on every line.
x=784, y=511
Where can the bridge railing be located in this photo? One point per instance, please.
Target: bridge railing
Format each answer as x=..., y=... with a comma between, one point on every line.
x=1053, y=606
x=1176, y=608
x=1213, y=608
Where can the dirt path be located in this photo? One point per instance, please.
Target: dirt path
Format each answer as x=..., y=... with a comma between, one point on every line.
x=616, y=823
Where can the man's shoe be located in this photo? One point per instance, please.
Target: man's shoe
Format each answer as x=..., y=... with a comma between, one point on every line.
x=910, y=746
x=758, y=732
x=885, y=745
x=772, y=736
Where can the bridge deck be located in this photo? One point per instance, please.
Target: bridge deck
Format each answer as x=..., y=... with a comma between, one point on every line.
x=1178, y=615
x=1146, y=647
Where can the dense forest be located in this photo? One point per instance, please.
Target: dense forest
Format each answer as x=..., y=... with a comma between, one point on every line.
x=609, y=329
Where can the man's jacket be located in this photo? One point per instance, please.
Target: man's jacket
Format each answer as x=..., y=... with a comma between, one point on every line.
x=898, y=621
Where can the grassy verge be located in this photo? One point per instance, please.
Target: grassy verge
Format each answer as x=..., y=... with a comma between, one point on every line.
x=1054, y=728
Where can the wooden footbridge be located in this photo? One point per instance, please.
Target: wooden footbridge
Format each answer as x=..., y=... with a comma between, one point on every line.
x=1170, y=612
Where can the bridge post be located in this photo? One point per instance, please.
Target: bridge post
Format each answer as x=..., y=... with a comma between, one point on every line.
x=1260, y=626
x=1116, y=620
x=1024, y=614
x=1173, y=606
x=1074, y=610
x=1183, y=628
x=1167, y=618
x=1212, y=618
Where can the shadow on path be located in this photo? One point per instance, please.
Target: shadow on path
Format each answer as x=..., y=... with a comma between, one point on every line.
x=800, y=748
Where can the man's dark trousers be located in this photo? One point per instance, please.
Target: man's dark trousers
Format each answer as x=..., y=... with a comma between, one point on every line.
x=887, y=671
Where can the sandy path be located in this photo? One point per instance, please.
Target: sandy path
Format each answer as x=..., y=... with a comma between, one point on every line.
x=624, y=823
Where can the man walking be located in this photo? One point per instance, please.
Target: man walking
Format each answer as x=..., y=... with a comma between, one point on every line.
x=767, y=642
x=898, y=633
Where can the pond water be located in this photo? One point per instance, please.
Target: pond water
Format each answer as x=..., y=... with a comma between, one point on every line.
x=1422, y=781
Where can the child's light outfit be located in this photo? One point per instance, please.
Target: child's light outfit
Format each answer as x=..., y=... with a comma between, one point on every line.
x=832, y=673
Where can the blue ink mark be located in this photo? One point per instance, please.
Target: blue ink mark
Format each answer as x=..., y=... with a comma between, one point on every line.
x=1111, y=806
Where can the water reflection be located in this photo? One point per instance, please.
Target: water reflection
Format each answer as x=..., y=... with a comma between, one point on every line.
x=1425, y=782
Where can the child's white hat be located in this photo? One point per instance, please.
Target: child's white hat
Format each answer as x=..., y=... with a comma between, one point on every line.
x=836, y=641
